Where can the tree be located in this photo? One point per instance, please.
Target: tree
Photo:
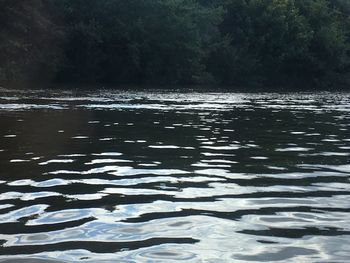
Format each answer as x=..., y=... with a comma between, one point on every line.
x=241, y=42
x=280, y=41
x=328, y=51
x=29, y=41
x=136, y=41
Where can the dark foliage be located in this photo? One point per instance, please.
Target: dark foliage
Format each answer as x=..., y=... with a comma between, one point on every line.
x=300, y=43
x=30, y=47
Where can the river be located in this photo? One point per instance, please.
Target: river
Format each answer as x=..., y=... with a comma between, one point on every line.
x=160, y=176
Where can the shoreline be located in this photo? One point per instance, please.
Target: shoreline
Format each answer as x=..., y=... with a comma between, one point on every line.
x=169, y=88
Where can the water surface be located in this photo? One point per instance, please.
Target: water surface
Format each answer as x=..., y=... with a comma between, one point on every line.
x=113, y=176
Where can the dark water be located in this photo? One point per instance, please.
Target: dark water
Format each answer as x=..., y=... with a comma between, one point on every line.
x=165, y=177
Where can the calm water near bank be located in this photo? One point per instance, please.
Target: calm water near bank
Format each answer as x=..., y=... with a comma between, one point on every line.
x=116, y=176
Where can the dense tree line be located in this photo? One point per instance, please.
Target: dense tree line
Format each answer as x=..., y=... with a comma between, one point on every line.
x=299, y=43
x=29, y=41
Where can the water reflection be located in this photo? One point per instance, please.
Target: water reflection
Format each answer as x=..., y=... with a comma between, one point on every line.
x=160, y=177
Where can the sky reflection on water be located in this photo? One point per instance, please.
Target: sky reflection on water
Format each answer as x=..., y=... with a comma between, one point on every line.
x=163, y=177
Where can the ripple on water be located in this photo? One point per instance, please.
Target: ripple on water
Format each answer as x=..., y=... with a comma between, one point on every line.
x=106, y=161
x=166, y=254
x=19, y=161
x=108, y=154
x=203, y=177
x=293, y=149
x=30, y=260
x=278, y=254
x=63, y=216
x=57, y=161
x=15, y=215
